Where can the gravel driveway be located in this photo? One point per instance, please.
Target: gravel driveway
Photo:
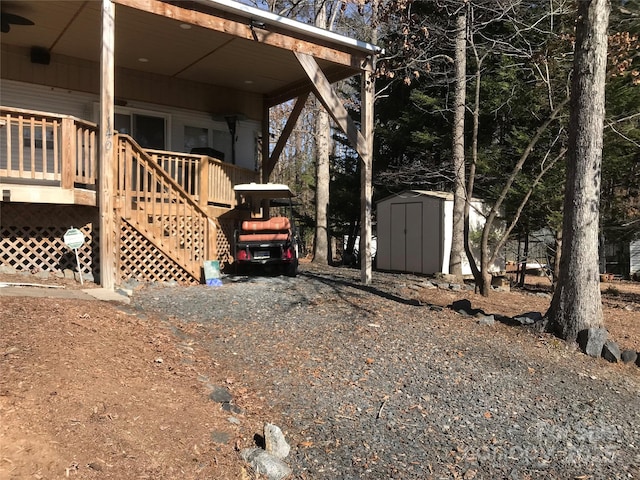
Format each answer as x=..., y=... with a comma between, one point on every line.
x=369, y=384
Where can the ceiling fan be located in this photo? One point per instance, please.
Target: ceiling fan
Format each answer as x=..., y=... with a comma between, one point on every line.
x=8, y=19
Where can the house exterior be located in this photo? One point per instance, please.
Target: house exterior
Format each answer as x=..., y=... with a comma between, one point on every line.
x=132, y=120
x=414, y=232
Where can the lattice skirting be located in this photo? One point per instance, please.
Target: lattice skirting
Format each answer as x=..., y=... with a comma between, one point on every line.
x=224, y=238
x=31, y=240
x=143, y=261
x=31, y=237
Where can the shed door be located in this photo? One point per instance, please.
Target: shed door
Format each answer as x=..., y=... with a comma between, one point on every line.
x=406, y=237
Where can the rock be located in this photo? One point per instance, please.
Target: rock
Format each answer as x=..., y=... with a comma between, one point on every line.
x=263, y=463
x=629, y=356
x=528, y=318
x=124, y=291
x=611, y=351
x=462, y=306
x=487, y=320
x=445, y=277
x=455, y=287
x=232, y=408
x=591, y=341
x=69, y=274
x=220, y=395
x=274, y=441
x=7, y=269
x=219, y=436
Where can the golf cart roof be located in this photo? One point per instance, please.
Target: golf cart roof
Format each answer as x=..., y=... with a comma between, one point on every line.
x=264, y=190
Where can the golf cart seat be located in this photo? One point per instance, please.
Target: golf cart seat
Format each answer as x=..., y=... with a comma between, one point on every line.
x=273, y=229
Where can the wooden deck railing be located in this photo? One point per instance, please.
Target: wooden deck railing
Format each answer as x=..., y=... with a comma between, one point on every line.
x=159, y=206
x=208, y=180
x=39, y=146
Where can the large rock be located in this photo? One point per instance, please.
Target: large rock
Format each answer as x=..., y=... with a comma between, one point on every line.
x=629, y=356
x=592, y=340
x=611, y=351
x=274, y=441
x=486, y=320
x=463, y=307
x=263, y=463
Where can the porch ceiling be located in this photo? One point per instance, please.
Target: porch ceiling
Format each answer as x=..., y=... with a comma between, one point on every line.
x=175, y=41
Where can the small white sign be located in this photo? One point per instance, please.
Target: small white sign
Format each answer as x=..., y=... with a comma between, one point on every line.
x=74, y=238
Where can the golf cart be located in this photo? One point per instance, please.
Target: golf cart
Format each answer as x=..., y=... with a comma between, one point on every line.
x=266, y=236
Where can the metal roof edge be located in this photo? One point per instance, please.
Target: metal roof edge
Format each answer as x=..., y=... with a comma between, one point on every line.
x=253, y=13
x=419, y=193
x=447, y=196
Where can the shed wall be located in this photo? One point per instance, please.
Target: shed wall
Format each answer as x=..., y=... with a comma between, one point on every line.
x=415, y=232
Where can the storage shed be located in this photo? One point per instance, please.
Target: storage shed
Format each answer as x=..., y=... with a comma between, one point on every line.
x=415, y=229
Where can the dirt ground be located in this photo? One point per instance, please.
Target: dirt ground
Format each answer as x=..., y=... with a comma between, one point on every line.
x=620, y=300
x=95, y=390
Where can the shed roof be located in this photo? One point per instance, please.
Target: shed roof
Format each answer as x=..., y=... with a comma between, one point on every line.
x=419, y=193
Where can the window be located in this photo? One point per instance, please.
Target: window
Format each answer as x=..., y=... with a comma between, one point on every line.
x=148, y=130
x=195, y=137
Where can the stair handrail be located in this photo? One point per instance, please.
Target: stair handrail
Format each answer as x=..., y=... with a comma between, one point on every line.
x=126, y=175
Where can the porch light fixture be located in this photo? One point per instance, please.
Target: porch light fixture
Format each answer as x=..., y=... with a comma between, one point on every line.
x=185, y=26
x=257, y=24
x=253, y=25
x=143, y=60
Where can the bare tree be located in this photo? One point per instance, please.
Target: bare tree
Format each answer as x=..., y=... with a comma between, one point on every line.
x=322, y=150
x=576, y=303
x=457, y=150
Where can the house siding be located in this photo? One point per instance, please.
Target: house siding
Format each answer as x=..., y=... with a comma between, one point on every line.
x=85, y=106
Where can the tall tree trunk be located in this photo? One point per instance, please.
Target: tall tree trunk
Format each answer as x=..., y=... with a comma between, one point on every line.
x=576, y=303
x=321, y=244
x=556, y=261
x=477, y=275
x=322, y=133
x=459, y=195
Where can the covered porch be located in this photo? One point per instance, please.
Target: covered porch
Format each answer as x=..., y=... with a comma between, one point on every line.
x=206, y=58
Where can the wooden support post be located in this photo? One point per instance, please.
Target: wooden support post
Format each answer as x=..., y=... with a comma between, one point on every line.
x=203, y=182
x=68, y=160
x=361, y=141
x=212, y=240
x=265, y=164
x=367, y=95
x=105, y=157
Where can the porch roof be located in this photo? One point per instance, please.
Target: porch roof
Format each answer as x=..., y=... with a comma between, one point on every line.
x=217, y=42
